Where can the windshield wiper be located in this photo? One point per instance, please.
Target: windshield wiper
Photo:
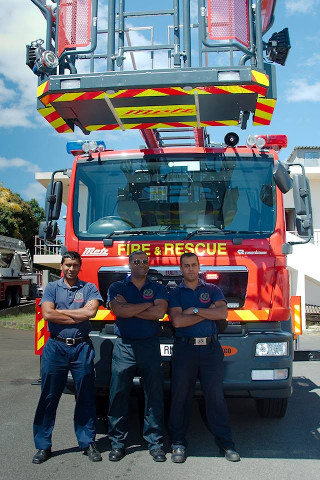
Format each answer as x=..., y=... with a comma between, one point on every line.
x=131, y=232
x=226, y=232
x=204, y=231
x=107, y=241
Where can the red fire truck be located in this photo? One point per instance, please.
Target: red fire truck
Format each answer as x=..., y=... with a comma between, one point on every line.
x=222, y=201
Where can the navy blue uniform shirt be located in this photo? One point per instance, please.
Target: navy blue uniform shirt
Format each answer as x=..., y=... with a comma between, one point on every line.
x=202, y=297
x=135, y=327
x=75, y=297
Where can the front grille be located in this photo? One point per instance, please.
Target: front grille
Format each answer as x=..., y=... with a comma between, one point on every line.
x=232, y=280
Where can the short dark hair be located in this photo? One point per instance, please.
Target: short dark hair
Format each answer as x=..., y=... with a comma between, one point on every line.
x=71, y=254
x=187, y=255
x=136, y=252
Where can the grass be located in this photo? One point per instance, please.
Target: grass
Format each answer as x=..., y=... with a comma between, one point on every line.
x=24, y=321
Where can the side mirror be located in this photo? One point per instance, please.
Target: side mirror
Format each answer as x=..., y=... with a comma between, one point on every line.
x=282, y=177
x=300, y=194
x=53, y=201
x=302, y=204
x=303, y=224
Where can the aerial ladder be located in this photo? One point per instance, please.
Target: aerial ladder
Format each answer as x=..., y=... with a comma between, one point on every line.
x=218, y=69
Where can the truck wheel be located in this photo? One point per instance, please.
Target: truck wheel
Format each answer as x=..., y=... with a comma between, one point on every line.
x=16, y=297
x=9, y=298
x=272, y=407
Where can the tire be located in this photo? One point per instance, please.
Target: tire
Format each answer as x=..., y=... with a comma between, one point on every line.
x=9, y=298
x=16, y=297
x=272, y=407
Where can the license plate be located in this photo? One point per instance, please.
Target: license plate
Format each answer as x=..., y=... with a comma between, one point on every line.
x=166, y=350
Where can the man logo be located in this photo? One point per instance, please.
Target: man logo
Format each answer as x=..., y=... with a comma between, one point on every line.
x=204, y=297
x=148, y=293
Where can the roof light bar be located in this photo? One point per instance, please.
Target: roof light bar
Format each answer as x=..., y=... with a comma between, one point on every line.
x=79, y=147
x=276, y=142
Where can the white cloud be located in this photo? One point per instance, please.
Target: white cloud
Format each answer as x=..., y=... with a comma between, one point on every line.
x=14, y=117
x=301, y=6
x=5, y=93
x=302, y=91
x=17, y=162
x=34, y=190
x=313, y=60
x=18, y=85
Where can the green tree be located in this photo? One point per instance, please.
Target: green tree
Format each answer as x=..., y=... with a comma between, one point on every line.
x=19, y=218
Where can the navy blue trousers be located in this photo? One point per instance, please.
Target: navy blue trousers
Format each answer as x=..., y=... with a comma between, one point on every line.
x=57, y=360
x=190, y=362
x=144, y=356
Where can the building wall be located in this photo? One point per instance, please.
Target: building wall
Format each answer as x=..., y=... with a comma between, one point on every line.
x=312, y=293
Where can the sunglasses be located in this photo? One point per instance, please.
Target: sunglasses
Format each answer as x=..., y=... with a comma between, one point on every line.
x=137, y=261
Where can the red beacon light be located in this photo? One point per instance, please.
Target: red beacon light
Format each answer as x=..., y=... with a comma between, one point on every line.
x=276, y=142
x=212, y=277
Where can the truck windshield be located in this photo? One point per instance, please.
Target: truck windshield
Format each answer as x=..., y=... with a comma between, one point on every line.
x=180, y=195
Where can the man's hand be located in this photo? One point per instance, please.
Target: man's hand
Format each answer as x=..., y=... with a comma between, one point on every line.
x=120, y=299
x=82, y=314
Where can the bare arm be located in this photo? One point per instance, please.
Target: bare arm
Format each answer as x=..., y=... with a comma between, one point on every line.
x=82, y=314
x=121, y=308
x=185, y=318
x=156, y=311
x=50, y=314
x=217, y=311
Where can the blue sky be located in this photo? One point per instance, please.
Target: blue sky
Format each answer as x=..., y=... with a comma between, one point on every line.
x=29, y=144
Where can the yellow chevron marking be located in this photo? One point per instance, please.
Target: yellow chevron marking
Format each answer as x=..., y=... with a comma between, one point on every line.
x=41, y=88
x=261, y=78
x=262, y=114
x=40, y=343
x=100, y=96
x=40, y=325
x=58, y=122
x=247, y=315
x=234, y=89
x=297, y=318
x=68, y=97
x=116, y=94
x=101, y=315
x=46, y=111
x=149, y=92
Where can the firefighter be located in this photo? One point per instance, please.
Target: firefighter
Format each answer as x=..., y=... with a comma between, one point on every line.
x=67, y=304
x=138, y=304
x=193, y=307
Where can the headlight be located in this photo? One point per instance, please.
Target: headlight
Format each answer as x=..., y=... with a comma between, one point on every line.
x=274, y=349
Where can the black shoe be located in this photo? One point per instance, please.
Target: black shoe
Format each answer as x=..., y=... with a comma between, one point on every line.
x=158, y=455
x=42, y=456
x=230, y=454
x=178, y=455
x=116, y=454
x=93, y=453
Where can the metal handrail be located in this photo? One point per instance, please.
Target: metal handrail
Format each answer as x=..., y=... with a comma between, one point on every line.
x=49, y=248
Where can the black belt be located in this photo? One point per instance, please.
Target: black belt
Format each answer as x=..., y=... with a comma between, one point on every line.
x=197, y=340
x=70, y=341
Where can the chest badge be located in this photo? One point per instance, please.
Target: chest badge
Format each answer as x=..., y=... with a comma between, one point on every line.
x=78, y=297
x=204, y=297
x=147, y=293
